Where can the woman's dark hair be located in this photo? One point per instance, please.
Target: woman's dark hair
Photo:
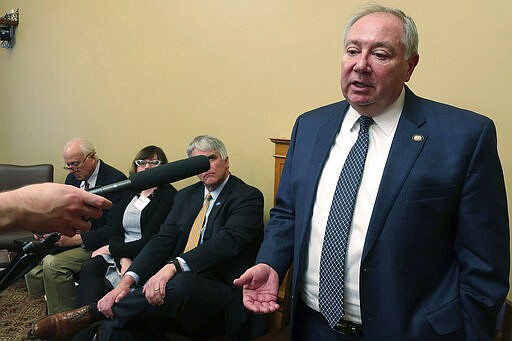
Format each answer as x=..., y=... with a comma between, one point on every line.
x=147, y=153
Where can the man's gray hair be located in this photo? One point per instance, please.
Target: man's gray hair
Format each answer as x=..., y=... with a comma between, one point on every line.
x=205, y=143
x=86, y=147
x=410, y=38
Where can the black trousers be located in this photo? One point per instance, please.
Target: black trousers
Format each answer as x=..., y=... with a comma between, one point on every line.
x=310, y=325
x=194, y=306
x=92, y=287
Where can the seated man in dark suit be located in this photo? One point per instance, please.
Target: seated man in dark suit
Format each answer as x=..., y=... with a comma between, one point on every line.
x=184, y=275
x=55, y=276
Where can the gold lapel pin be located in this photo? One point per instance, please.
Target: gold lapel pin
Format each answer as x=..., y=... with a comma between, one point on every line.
x=417, y=138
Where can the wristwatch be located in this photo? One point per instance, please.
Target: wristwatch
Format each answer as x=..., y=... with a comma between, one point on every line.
x=176, y=264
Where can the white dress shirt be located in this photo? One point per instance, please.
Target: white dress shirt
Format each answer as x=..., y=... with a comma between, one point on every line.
x=381, y=136
x=92, y=179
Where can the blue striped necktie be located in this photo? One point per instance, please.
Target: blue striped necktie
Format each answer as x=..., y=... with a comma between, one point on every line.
x=332, y=259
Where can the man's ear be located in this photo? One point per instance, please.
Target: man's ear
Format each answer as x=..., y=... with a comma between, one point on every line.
x=411, y=63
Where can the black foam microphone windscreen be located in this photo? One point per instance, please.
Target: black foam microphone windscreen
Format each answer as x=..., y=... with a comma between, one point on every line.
x=170, y=172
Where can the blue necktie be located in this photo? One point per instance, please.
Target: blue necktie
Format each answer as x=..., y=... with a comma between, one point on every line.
x=332, y=259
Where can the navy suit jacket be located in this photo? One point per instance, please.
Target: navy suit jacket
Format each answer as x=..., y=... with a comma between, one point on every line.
x=435, y=262
x=97, y=237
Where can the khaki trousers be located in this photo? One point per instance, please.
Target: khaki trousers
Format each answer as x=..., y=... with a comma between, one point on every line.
x=55, y=278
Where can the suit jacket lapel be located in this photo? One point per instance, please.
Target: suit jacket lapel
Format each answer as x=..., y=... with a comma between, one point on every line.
x=100, y=179
x=196, y=201
x=410, y=137
x=217, y=205
x=321, y=148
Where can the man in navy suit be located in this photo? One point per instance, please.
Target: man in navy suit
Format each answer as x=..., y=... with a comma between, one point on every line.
x=55, y=276
x=172, y=286
x=428, y=245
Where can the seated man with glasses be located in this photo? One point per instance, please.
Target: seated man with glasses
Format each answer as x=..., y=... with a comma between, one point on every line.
x=55, y=276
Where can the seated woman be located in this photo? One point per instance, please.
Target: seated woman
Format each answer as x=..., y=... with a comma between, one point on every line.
x=134, y=221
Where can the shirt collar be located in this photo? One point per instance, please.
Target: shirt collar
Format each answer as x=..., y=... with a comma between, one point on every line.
x=387, y=121
x=216, y=192
x=94, y=176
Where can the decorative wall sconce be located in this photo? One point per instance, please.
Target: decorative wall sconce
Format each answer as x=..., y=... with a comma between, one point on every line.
x=8, y=25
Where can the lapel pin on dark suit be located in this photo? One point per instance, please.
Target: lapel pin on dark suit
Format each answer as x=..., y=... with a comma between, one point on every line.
x=417, y=138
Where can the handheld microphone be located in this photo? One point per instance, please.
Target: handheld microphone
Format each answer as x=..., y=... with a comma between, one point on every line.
x=41, y=246
x=30, y=255
x=173, y=171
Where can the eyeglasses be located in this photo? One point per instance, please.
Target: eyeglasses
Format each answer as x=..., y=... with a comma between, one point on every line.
x=76, y=164
x=150, y=163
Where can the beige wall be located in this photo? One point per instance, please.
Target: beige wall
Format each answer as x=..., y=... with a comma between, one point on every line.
x=127, y=73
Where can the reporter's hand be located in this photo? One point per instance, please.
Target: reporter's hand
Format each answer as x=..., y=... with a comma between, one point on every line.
x=50, y=207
